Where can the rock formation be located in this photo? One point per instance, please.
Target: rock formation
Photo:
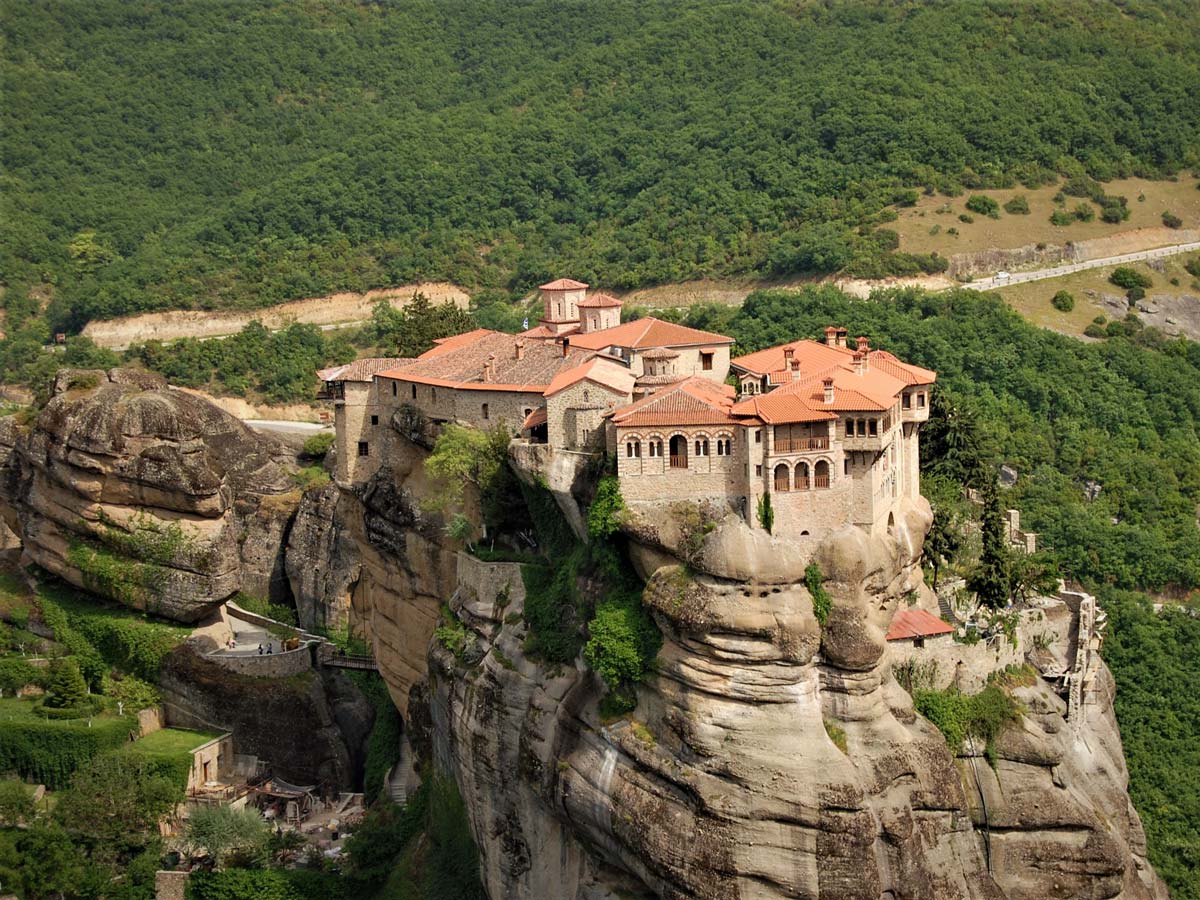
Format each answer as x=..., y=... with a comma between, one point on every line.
x=146, y=495
x=311, y=728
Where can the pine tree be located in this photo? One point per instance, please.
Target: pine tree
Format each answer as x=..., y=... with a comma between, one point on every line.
x=991, y=579
x=67, y=688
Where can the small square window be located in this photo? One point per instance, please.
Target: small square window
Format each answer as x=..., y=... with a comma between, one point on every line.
x=363, y=449
x=758, y=471
x=374, y=420
x=706, y=361
x=485, y=410
x=758, y=435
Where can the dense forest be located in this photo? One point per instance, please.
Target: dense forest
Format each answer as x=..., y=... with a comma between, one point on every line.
x=161, y=155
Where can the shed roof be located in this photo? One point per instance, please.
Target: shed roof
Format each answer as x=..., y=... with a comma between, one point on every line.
x=915, y=623
x=362, y=369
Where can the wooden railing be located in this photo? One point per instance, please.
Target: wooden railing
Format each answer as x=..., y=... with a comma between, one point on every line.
x=678, y=461
x=821, y=481
x=796, y=445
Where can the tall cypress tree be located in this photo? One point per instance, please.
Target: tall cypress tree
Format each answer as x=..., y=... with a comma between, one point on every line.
x=991, y=579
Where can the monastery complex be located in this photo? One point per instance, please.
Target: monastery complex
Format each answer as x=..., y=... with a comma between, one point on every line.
x=827, y=428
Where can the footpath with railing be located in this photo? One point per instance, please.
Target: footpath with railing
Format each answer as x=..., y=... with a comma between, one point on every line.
x=996, y=281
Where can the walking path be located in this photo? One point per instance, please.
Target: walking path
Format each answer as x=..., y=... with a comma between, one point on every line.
x=989, y=284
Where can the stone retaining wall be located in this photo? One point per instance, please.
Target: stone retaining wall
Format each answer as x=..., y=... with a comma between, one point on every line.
x=274, y=665
x=487, y=588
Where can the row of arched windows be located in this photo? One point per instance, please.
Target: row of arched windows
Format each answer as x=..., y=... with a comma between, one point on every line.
x=679, y=447
x=787, y=479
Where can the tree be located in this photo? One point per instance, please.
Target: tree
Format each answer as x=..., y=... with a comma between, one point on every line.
x=463, y=455
x=941, y=543
x=984, y=205
x=66, y=688
x=52, y=866
x=766, y=513
x=16, y=803
x=224, y=833
x=1032, y=574
x=116, y=802
x=950, y=441
x=991, y=580
x=1127, y=278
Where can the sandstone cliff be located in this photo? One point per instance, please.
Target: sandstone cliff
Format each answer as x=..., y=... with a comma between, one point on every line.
x=146, y=495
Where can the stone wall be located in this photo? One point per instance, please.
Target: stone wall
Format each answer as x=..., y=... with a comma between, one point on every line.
x=647, y=477
x=170, y=885
x=689, y=363
x=274, y=665
x=574, y=415
x=150, y=720
x=486, y=588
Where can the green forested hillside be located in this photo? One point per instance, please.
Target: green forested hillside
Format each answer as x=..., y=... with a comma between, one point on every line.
x=210, y=153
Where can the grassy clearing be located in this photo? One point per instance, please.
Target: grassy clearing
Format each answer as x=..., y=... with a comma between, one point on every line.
x=1015, y=230
x=1032, y=299
x=170, y=741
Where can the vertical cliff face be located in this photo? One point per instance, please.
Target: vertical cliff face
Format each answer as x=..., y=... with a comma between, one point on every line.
x=726, y=781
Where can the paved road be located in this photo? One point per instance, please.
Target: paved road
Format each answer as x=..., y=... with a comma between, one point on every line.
x=988, y=284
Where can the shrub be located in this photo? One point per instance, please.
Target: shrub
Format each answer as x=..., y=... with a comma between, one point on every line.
x=310, y=478
x=985, y=206
x=1099, y=320
x=838, y=735
x=1061, y=217
x=452, y=634
x=1124, y=277
x=1171, y=220
x=605, y=512
x=1018, y=205
x=319, y=444
x=1084, y=212
x=1095, y=331
x=1114, y=213
x=766, y=513
x=958, y=715
x=1192, y=266
x=965, y=219
x=1063, y=301
x=822, y=602
x=1134, y=294
x=16, y=673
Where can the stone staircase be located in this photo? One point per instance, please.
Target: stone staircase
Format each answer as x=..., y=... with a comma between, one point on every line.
x=400, y=777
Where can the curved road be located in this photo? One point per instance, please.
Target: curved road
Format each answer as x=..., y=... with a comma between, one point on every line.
x=988, y=284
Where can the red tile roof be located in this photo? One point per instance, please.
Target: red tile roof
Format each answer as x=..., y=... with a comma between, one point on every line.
x=562, y=284
x=362, y=369
x=649, y=332
x=544, y=332
x=906, y=372
x=598, y=370
x=694, y=401
x=813, y=356
x=446, y=344
x=458, y=363
x=599, y=301
x=914, y=623
x=534, y=419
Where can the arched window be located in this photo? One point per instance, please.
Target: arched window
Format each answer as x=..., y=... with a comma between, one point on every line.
x=679, y=449
x=782, y=478
x=821, y=474
x=891, y=523
x=802, y=477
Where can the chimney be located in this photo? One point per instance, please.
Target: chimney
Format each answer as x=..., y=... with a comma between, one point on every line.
x=828, y=382
x=566, y=347
x=830, y=336
x=788, y=353
x=864, y=344
x=489, y=367
x=841, y=337
x=859, y=366
x=520, y=348
x=795, y=365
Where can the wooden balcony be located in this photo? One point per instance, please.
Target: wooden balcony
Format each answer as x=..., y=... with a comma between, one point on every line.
x=800, y=445
x=678, y=461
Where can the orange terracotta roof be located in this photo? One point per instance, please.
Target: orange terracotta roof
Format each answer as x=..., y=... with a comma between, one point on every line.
x=804, y=400
x=646, y=333
x=914, y=623
x=534, y=419
x=362, y=369
x=597, y=370
x=813, y=356
x=545, y=333
x=906, y=372
x=694, y=401
x=459, y=364
x=562, y=284
x=599, y=301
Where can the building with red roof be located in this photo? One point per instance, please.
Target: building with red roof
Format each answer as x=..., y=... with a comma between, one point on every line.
x=917, y=627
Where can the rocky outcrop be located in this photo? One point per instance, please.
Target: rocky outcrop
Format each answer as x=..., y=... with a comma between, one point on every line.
x=769, y=756
x=147, y=495
x=310, y=728
x=322, y=561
